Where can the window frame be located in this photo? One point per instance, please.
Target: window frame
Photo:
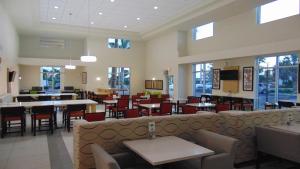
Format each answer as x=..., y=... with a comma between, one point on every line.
x=116, y=43
x=205, y=72
x=195, y=31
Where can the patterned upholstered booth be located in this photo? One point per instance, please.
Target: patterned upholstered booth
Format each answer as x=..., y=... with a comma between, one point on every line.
x=241, y=125
x=111, y=134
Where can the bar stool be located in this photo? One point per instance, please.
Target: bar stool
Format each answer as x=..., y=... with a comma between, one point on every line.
x=12, y=117
x=40, y=113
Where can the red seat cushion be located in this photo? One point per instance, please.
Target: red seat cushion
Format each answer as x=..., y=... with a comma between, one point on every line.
x=76, y=114
x=42, y=116
x=12, y=118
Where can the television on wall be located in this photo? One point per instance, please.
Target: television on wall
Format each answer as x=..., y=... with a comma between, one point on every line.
x=11, y=76
x=229, y=75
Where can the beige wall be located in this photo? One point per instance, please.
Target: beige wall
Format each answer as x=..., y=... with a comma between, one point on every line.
x=132, y=58
x=30, y=48
x=31, y=76
x=8, y=52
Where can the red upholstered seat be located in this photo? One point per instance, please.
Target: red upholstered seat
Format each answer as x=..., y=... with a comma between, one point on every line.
x=189, y=109
x=12, y=118
x=90, y=117
x=222, y=107
x=41, y=116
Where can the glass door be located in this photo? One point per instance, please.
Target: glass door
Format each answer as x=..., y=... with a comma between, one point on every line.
x=171, y=85
x=50, y=79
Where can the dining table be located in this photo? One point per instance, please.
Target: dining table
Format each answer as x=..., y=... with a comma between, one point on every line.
x=202, y=105
x=150, y=107
x=177, y=101
x=53, y=95
x=167, y=149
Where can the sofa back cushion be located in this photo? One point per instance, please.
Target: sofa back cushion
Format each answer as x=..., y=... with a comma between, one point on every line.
x=102, y=159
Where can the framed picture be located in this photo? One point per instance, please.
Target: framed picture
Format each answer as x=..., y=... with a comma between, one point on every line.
x=154, y=84
x=248, y=78
x=84, y=78
x=216, y=79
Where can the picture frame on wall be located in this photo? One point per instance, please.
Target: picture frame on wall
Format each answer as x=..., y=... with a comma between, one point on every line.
x=248, y=78
x=84, y=77
x=216, y=79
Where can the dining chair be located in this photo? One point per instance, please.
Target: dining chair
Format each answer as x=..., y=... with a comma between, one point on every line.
x=122, y=107
x=125, y=97
x=74, y=112
x=193, y=99
x=97, y=116
x=165, y=109
x=40, y=114
x=132, y=113
x=144, y=112
x=11, y=118
x=222, y=107
x=186, y=109
x=134, y=102
x=155, y=100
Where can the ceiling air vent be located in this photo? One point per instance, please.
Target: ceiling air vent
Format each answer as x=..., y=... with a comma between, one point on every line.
x=52, y=42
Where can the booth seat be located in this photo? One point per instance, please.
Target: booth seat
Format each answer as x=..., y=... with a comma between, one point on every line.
x=111, y=134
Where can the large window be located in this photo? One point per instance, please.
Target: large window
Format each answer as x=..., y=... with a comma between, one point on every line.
x=277, y=10
x=118, y=43
x=277, y=79
x=50, y=79
x=203, y=31
x=202, y=78
x=119, y=78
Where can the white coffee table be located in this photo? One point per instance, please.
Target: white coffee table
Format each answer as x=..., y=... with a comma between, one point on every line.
x=163, y=150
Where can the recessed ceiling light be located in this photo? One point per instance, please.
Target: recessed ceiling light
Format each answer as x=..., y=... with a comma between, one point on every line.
x=100, y=13
x=92, y=23
x=112, y=0
x=53, y=18
x=138, y=19
x=125, y=26
x=56, y=7
x=156, y=7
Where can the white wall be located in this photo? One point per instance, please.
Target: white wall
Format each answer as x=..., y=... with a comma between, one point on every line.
x=132, y=58
x=8, y=52
x=235, y=37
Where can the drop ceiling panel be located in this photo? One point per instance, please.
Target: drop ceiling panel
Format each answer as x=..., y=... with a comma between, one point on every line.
x=115, y=15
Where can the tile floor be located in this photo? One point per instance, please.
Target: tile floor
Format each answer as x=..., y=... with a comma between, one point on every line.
x=55, y=151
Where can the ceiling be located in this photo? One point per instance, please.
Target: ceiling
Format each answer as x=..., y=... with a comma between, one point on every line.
x=37, y=16
x=117, y=15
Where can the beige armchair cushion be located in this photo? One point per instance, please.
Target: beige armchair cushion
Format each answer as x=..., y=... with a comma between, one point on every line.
x=102, y=159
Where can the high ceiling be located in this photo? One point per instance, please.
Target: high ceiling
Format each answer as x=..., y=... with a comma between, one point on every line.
x=116, y=15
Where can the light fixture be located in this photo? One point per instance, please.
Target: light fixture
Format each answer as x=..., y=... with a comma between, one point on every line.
x=92, y=23
x=98, y=78
x=125, y=26
x=88, y=57
x=70, y=66
x=155, y=7
x=55, y=7
x=100, y=13
x=153, y=78
x=112, y=0
x=53, y=18
x=138, y=19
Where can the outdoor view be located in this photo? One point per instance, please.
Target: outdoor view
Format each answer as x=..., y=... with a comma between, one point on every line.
x=277, y=79
x=119, y=78
x=202, y=76
x=50, y=79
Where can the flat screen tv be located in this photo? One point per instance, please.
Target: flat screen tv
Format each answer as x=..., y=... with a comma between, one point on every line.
x=11, y=76
x=229, y=75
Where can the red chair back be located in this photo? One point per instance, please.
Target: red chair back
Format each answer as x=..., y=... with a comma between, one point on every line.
x=132, y=113
x=90, y=117
x=123, y=104
x=165, y=108
x=222, y=107
x=186, y=109
x=145, y=101
x=126, y=97
x=155, y=100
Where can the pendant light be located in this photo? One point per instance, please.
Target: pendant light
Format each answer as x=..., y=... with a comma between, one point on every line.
x=88, y=57
x=70, y=66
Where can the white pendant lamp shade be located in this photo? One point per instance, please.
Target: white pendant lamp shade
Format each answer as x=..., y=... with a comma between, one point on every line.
x=71, y=67
x=88, y=58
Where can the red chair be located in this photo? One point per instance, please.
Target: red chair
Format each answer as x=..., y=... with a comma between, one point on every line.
x=165, y=97
x=108, y=106
x=132, y=113
x=222, y=107
x=165, y=109
x=134, y=101
x=189, y=109
x=193, y=99
x=74, y=112
x=12, y=117
x=124, y=97
x=247, y=107
x=90, y=117
x=153, y=96
x=155, y=100
x=122, y=107
x=40, y=114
